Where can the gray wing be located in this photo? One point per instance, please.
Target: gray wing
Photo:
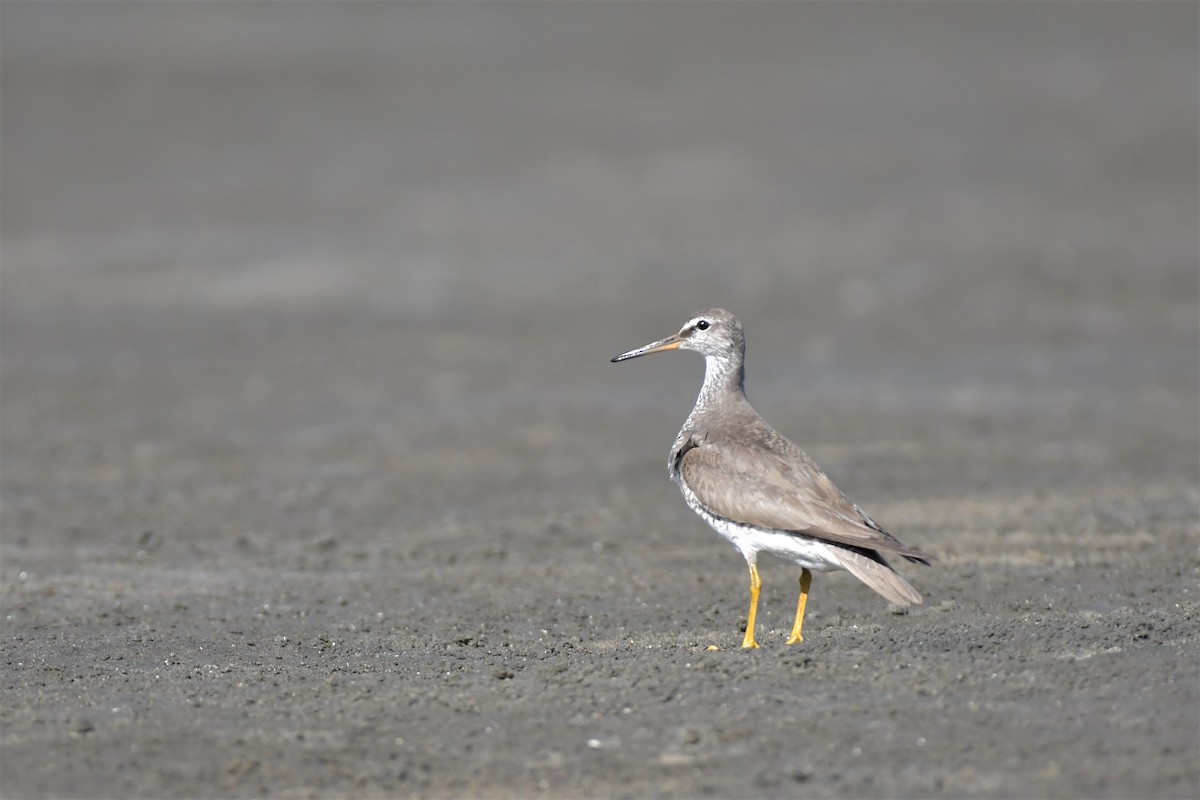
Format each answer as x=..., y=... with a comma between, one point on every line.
x=785, y=491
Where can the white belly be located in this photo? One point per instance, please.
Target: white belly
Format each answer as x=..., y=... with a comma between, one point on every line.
x=803, y=551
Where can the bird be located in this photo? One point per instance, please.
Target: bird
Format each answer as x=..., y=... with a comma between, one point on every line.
x=759, y=490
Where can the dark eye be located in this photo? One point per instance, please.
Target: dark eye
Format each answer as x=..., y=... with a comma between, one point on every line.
x=702, y=325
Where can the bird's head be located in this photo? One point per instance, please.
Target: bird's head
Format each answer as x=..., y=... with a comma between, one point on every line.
x=714, y=332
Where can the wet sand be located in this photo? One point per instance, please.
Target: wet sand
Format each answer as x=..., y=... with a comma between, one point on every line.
x=317, y=481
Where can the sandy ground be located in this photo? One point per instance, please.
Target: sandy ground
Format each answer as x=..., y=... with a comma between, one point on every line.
x=317, y=481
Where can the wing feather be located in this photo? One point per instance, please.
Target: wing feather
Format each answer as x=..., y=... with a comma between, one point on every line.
x=784, y=491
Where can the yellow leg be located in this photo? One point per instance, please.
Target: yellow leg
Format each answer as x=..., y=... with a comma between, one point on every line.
x=805, y=582
x=755, y=589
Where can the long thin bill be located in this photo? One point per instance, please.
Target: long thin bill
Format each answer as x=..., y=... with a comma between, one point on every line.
x=669, y=343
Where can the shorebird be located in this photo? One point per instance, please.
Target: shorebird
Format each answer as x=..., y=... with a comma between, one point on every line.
x=762, y=492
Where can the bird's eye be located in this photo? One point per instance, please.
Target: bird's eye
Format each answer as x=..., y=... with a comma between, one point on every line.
x=702, y=325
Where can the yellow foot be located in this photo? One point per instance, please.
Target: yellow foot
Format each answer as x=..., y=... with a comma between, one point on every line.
x=805, y=584
x=748, y=642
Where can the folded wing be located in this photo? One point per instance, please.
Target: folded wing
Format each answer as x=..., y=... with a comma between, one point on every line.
x=784, y=491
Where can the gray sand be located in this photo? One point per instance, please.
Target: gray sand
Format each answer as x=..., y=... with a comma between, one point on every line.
x=317, y=481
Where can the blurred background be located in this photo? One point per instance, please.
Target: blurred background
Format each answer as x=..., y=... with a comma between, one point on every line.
x=300, y=290
x=382, y=225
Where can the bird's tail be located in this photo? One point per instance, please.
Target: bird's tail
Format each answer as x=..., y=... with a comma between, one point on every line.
x=879, y=575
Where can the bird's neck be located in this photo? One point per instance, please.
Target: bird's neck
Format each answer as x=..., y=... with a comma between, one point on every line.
x=724, y=378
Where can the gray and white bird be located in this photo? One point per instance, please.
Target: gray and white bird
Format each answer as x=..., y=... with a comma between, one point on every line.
x=762, y=492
